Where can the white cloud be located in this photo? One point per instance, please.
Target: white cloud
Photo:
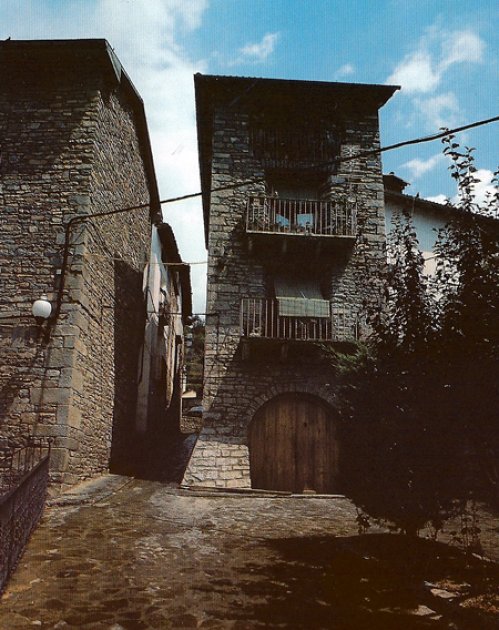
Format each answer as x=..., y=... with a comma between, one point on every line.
x=259, y=51
x=483, y=189
x=418, y=167
x=440, y=111
x=146, y=35
x=461, y=47
x=437, y=199
x=422, y=70
x=345, y=70
x=484, y=186
x=415, y=73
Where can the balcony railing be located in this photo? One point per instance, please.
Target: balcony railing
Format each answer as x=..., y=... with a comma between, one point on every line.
x=296, y=319
x=273, y=215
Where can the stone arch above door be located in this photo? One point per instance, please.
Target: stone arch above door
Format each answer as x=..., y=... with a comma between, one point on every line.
x=293, y=445
x=325, y=392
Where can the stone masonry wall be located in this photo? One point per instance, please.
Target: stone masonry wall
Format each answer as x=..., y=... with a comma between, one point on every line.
x=68, y=146
x=236, y=387
x=109, y=277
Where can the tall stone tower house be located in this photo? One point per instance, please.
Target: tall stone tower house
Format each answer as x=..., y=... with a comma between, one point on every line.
x=74, y=142
x=294, y=223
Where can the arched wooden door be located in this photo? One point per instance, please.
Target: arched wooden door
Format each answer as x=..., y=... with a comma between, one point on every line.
x=293, y=445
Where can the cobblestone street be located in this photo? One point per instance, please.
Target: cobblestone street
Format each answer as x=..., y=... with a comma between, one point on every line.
x=123, y=554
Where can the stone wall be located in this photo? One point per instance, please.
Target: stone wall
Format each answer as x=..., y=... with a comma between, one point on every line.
x=236, y=384
x=70, y=146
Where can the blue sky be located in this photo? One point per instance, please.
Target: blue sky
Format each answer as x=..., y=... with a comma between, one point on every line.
x=445, y=56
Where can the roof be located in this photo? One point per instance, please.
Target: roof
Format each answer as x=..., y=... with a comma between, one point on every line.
x=394, y=183
x=263, y=95
x=84, y=54
x=258, y=90
x=417, y=201
x=171, y=255
x=446, y=209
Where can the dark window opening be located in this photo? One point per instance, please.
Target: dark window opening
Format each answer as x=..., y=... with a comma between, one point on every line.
x=279, y=145
x=294, y=185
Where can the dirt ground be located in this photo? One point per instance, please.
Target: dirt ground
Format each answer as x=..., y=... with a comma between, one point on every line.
x=124, y=554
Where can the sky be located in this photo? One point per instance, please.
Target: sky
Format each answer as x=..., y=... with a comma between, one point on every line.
x=444, y=55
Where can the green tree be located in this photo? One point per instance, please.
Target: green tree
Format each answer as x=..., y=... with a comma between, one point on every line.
x=420, y=405
x=468, y=269
x=404, y=324
x=468, y=281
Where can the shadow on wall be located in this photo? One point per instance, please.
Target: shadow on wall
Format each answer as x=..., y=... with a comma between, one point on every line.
x=162, y=452
x=166, y=454
x=129, y=322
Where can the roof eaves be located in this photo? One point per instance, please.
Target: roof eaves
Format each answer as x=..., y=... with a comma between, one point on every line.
x=445, y=208
x=415, y=200
x=206, y=87
x=171, y=255
x=142, y=128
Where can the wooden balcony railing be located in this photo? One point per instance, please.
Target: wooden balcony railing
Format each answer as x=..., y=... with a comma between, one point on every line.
x=297, y=319
x=273, y=215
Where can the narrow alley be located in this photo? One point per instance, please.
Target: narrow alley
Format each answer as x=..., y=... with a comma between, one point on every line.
x=118, y=553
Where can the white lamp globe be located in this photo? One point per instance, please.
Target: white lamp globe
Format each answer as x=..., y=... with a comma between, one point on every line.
x=41, y=309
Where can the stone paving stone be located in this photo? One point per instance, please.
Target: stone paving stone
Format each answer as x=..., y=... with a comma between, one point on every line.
x=124, y=554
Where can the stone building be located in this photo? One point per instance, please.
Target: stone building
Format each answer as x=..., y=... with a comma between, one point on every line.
x=168, y=305
x=74, y=143
x=296, y=241
x=428, y=217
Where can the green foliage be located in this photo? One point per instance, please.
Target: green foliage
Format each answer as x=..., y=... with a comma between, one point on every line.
x=468, y=268
x=405, y=323
x=421, y=427
x=347, y=363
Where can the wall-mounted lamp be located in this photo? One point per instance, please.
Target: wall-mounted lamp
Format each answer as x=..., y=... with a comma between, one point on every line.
x=41, y=309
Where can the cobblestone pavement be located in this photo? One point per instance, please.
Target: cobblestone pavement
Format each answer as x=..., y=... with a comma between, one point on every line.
x=125, y=554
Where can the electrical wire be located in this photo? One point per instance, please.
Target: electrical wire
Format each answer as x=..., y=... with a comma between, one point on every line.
x=141, y=206
x=347, y=158
x=147, y=262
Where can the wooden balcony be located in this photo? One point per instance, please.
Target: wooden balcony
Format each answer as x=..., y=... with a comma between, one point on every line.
x=275, y=216
x=295, y=319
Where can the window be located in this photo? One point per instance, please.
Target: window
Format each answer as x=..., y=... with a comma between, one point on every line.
x=292, y=185
x=299, y=297
x=278, y=144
